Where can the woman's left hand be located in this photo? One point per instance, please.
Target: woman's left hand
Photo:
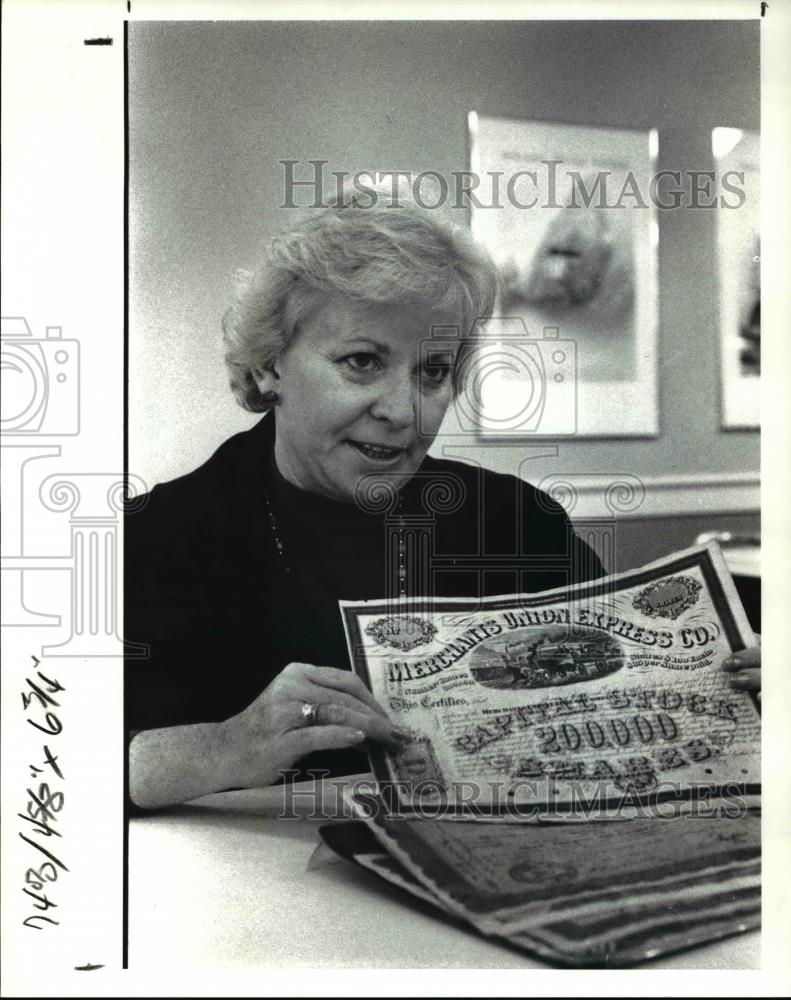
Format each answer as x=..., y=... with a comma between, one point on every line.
x=745, y=669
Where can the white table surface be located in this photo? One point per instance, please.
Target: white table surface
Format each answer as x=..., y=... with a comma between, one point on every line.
x=224, y=882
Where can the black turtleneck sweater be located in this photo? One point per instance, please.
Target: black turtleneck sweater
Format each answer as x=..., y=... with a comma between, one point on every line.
x=223, y=608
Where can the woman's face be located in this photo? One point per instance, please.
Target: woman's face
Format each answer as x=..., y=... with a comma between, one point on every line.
x=356, y=396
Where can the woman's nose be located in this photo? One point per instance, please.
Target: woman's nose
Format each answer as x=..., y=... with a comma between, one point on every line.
x=395, y=402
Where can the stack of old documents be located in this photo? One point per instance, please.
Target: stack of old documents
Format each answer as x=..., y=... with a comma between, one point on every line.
x=583, y=783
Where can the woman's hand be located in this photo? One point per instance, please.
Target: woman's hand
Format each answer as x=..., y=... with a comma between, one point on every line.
x=745, y=669
x=272, y=733
x=180, y=763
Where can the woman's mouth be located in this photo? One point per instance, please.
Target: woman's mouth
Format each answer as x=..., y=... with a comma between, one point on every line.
x=377, y=452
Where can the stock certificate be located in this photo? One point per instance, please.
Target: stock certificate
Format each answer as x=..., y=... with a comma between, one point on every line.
x=613, y=893
x=593, y=694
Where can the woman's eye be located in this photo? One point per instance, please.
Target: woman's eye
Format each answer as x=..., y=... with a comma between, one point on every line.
x=364, y=364
x=435, y=375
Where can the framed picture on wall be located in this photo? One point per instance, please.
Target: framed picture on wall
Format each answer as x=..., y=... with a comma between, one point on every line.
x=736, y=156
x=570, y=223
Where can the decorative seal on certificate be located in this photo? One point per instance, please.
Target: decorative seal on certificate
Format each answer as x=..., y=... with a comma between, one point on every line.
x=402, y=633
x=669, y=597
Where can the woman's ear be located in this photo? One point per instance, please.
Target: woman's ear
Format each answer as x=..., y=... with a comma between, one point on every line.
x=267, y=381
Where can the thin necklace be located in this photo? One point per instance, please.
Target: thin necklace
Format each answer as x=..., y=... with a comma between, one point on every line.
x=401, y=560
x=275, y=531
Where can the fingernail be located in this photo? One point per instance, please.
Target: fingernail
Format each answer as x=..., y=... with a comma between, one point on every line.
x=739, y=679
x=358, y=735
x=733, y=663
x=402, y=735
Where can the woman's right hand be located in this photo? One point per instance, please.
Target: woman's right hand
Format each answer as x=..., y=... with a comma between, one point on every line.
x=272, y=733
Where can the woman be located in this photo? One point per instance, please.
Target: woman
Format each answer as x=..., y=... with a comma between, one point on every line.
x=233, y=572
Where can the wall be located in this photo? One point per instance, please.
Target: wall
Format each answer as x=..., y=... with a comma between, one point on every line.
x=215, y=106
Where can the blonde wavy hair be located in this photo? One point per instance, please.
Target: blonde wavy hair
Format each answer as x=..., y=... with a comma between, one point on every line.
x=388, y=252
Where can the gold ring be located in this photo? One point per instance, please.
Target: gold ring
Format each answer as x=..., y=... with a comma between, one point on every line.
x=310, y=713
